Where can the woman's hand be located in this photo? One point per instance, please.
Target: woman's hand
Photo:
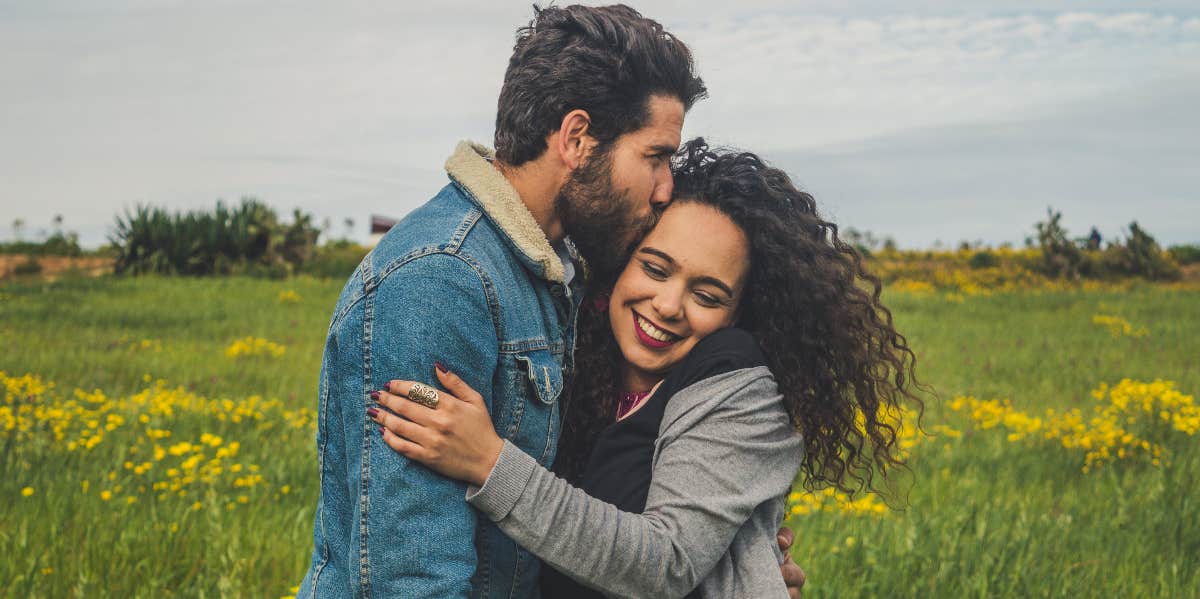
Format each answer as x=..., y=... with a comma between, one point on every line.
x=456, y=438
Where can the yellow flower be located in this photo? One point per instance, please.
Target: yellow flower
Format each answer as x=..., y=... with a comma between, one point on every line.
x=105, y=495
x=27, y=491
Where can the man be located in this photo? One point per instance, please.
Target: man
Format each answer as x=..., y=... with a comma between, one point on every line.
x=482, y=280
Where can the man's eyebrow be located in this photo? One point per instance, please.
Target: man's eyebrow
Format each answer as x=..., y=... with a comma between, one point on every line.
x=664, y=148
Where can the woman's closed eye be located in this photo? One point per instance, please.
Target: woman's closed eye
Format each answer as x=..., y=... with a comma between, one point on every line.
x=707, y=300
x=654, y=271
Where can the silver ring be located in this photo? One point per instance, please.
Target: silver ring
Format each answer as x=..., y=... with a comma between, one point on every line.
x=424, y=395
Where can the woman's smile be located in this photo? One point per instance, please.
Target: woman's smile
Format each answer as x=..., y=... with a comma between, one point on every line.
x=652, y=335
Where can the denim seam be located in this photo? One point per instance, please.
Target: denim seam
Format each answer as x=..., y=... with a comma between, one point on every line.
x=460, y=233
x=545, y=461
x=533, y=344
x=512, y=591
x=323, y=417
x=364, y=498
x=338, y=316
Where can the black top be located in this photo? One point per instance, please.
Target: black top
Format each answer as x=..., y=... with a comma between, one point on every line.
x=619, y=468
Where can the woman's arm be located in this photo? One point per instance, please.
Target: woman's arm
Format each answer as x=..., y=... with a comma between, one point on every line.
x=730, y=450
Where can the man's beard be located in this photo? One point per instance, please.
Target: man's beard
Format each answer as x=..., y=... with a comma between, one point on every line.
x=597, y=217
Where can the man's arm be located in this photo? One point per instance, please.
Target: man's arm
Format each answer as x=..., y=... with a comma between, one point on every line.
x=416, y=531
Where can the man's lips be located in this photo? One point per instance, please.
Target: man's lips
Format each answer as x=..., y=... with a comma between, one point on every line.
x=645, y=337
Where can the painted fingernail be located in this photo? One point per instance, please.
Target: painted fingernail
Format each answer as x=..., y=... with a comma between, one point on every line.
x=440, y=367
x=381, y=430
x=372, y=412
x=375, y=395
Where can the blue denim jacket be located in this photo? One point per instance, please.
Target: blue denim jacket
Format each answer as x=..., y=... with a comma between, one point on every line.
x=468, y=279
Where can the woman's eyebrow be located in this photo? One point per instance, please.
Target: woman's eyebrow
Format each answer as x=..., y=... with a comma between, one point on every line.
x=659, y=253
x=715, y=282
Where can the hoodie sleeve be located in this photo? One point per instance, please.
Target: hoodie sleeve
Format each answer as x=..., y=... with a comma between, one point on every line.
x=730, y=448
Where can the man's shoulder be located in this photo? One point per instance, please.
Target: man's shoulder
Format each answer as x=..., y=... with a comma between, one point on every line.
x=448, y=224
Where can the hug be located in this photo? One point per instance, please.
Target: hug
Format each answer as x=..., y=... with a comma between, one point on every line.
x=595, y=363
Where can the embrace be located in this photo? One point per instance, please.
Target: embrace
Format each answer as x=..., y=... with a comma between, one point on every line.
x=595, y=362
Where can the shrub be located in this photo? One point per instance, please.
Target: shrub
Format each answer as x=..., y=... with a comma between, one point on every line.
x=1139, y=256
x=983, y=259
x=335, y=260
x=30, y=266
x=1061, y=258
x=1185, y=254
x=247, y=239
x=57, y=244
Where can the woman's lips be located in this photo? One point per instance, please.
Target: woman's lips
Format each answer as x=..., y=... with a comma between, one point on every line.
x=647, y=340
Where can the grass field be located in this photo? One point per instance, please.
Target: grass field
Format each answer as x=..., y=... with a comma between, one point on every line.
x=142, y=459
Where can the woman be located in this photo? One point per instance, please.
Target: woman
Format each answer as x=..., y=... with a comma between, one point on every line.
x=680, y=444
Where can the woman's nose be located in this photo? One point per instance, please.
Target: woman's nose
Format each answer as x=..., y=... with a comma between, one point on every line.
x=668, y=304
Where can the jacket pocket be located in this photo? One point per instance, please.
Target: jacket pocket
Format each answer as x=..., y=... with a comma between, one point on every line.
x=528, y=413
x=544, y=372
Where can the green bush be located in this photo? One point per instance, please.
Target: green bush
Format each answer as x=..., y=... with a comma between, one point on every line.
x=57, y=244
x=30, y=266
x=1185, y=254
x=247, y=239
x=335, y=260
x=1061, y=258
x=1139, y=256
x=983, y=259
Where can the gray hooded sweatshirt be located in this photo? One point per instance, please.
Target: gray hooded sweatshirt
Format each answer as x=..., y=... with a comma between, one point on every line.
x=723, y=465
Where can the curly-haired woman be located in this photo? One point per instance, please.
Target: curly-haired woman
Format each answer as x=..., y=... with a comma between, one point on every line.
x=742, y=343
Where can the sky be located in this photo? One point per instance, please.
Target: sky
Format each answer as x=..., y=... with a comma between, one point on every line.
x=927, y=122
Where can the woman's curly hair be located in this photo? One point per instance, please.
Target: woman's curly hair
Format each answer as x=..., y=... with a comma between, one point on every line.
x=841, y=366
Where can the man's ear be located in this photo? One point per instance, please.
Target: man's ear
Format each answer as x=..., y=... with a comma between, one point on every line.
x=573, y=141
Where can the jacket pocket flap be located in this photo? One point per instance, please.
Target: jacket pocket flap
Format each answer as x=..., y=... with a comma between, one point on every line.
x=544, y=373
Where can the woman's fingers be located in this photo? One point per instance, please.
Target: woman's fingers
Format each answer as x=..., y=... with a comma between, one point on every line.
x=394, y=398
x=403, y=446
x=457, y=386
x=398, y=426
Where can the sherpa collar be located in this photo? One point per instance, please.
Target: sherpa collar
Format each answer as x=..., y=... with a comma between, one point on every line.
x=470, y=165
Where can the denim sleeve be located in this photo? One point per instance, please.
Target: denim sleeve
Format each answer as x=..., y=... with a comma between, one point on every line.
x=416, y=531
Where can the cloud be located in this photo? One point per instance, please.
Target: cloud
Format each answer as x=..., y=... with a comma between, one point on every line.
x=351, y=108
x=1129, y=156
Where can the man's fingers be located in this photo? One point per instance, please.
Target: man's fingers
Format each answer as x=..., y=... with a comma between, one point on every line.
x=793, y=577
x=785, y=537
x=454, y=384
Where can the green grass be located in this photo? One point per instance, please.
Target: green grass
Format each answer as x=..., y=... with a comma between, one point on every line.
x=984, y=517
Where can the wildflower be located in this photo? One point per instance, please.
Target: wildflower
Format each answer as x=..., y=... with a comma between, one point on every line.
x=27, y=491
x=105, y=495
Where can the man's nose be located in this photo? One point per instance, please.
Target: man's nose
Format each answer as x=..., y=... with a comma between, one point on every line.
x=664, y=184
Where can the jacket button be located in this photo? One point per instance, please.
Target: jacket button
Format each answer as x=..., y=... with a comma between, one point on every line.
x=556, y=291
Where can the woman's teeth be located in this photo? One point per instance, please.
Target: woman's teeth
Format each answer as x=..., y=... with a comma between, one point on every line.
x=652, y=331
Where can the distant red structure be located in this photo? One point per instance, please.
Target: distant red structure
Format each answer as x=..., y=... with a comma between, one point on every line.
x=379, y=226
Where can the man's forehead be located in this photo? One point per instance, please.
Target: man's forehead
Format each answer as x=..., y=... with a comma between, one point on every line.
x=665, y=125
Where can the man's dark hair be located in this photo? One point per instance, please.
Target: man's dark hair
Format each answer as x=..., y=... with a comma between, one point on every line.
x=605, y=60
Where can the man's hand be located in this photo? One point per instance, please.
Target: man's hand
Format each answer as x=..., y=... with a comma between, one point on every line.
x=793, y=576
